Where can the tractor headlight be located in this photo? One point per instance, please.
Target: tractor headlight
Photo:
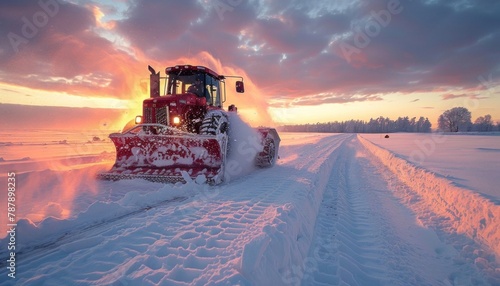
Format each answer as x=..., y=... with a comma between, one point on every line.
x=176, y=120
x=138, y=119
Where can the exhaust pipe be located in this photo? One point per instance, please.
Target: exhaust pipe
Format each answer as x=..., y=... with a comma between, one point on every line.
x=154, y=82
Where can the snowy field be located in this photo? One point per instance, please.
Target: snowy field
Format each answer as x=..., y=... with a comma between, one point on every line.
x=337, y=209
x=469, y=161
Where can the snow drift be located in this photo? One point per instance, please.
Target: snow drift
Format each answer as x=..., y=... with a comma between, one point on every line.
x=467, y=212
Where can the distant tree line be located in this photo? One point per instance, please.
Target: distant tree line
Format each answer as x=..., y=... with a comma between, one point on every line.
x=452, y=120
x=459, y=119
x=378, y=125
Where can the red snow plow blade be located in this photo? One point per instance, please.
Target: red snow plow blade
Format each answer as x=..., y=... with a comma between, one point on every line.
x=163, y=154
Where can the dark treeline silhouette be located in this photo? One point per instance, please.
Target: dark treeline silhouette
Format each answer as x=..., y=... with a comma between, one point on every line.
x=378, y=125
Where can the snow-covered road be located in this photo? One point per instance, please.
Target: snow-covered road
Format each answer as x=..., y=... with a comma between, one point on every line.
x=364, y=236
x=330, y=213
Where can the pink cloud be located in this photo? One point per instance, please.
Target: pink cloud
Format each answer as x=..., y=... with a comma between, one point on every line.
x=449, y=96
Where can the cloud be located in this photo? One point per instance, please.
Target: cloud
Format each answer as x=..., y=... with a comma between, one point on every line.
x=58, y=48
x=289, y=50
x=449, y=96
x=323, y=98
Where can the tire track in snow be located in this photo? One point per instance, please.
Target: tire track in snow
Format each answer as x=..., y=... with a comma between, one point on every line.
x=240, y=215
x=91, y=229
x=347, y=248
x=259, y=207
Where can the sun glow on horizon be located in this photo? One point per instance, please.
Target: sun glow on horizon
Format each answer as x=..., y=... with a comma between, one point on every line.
x=12, y=94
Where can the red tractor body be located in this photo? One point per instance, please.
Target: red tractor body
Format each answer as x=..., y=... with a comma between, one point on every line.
x=184, y=132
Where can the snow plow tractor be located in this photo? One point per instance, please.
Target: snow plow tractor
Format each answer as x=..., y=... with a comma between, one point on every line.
x=184, y=133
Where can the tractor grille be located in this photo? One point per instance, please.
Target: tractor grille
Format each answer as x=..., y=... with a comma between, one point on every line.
x=148, y=114
x=161, y=115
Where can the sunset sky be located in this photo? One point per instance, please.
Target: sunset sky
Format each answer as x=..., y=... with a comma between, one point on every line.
x=83, y=64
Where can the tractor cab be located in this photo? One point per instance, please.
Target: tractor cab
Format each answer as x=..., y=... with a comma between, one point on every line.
x=199, y=81
x=183, y=97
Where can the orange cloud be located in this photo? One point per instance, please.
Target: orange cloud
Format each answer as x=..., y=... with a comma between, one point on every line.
x=98, y=14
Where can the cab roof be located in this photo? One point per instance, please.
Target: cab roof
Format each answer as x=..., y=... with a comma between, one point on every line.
x=190, y=69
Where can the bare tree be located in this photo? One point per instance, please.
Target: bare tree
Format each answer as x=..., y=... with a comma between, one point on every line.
x=455, y=119
x=484, y=124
